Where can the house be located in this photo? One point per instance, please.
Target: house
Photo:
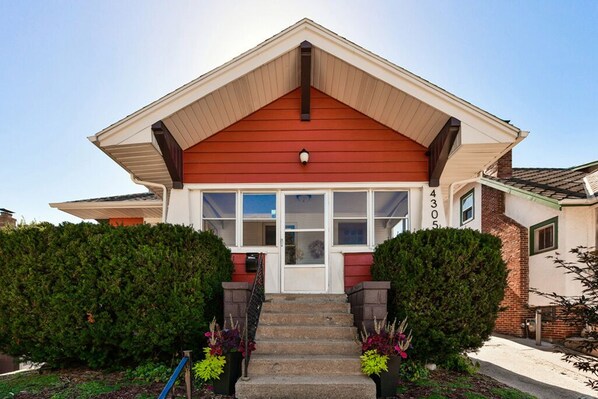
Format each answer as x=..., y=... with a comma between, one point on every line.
x=308, y=148
x=537, y=212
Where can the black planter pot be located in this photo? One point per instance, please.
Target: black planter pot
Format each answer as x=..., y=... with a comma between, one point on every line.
x=232, y=371
x=386, y=383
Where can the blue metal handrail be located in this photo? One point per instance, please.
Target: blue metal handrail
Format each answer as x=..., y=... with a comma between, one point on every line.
x=185, y=361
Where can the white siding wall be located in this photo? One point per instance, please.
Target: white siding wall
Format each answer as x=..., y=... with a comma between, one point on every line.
x=476, y=223
x=575, y=227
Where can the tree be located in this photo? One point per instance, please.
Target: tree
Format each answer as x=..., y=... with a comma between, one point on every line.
x=580, y=311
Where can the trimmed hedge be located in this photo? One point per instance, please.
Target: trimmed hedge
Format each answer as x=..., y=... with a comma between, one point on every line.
x=448, y=283
x=103, y=296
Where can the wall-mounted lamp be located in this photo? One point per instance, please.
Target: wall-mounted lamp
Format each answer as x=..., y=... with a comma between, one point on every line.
x=304, y=156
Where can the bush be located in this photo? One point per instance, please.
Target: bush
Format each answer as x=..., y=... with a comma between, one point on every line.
x=100, y=296
x=448, y=283
x=461, y=364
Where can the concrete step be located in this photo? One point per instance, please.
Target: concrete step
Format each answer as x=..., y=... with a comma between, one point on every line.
x=306, y=298
x=308, y=347
x=306, y=387
x=306, y=319
x=292, y=365
x=305, y=332
x=306, y=307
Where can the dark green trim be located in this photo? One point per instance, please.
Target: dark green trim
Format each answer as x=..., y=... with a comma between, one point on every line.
x=532, y=235
x=472, y=192
x=552, y=203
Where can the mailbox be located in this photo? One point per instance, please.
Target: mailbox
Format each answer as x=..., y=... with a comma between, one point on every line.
x=251, y=262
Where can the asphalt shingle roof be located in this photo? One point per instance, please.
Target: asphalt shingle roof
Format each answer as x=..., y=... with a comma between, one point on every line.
x=553, y=183
x=127, y=197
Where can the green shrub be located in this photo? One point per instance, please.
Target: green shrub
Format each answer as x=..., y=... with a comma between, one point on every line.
x=448, y=283
x=150, y=372
x=98, y=295
x=461, y=364
x=413, y=371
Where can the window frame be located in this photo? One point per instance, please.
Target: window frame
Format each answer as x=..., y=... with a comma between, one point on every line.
x=374, y=217
x=539, y=226
x=241, y=216
x=461, y=209
x=350, y=218
x=235, y=219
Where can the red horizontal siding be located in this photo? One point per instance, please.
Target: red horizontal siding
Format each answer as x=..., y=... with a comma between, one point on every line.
x=239, y=273
x=125, y=221
x=357, y=268
x=344, y=146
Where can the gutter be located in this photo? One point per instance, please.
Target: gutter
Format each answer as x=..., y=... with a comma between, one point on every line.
x=517, y=192
x=157, y=185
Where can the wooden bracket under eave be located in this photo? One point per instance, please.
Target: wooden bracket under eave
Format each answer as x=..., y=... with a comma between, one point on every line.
x=171, y=153
x=305, y=80
x=440, y=148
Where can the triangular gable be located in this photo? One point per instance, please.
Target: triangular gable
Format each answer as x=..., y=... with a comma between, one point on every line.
x=341, y=69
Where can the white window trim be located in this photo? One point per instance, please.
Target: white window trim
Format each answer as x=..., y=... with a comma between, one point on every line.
x=278, y=189
x=461, y=209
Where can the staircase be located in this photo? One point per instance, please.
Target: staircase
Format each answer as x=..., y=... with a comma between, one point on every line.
x=306, y=348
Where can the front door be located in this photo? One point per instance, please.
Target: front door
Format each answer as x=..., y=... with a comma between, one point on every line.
x=304, y=252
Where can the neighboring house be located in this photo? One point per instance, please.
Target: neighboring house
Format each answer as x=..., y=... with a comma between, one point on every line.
x=538, y=212
x=6, y=218
x=308, y=148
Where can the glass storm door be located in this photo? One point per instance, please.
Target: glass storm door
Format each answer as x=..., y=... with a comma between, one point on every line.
x=304, y=251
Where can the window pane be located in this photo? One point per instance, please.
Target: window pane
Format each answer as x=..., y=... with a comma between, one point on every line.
x=546, y=237
x=223, y=228
x=304, y=211
x=389, y=228
x=350, y=232
x=391, y=204
x=259, y=206
x=256, y=233
x=304, y=248
x=350, y=204
x=219, y=205
x=467, y=202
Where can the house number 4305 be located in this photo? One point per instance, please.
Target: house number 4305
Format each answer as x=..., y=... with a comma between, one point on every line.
x=434, y=209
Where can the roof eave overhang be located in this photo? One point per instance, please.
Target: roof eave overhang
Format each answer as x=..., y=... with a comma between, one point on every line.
x=540, y=199
x=135, y=129
x=105, y=210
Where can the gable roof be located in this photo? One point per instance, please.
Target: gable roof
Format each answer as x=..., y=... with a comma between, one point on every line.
x=366, y=82
x=559, y=185
x=146, y=205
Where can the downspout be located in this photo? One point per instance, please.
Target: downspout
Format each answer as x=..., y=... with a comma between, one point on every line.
x=164, y=194
x=451, y=194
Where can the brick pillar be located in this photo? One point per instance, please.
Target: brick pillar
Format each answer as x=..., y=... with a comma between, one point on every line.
x=514, y=239
x=503, y=168
x=236, y=297
x=368, y=300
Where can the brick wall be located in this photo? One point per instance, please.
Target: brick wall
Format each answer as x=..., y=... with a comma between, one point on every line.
x=515, y=253
x=6, y=218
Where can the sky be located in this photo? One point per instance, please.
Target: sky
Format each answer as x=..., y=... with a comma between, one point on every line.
x=71, y=68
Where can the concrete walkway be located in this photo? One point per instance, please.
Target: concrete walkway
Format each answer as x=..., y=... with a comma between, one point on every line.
x=537, y=370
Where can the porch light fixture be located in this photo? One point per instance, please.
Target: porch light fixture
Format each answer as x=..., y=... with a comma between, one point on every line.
x=304, y=156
